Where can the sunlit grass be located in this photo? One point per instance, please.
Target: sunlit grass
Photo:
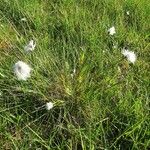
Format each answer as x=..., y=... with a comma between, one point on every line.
x=101, y=100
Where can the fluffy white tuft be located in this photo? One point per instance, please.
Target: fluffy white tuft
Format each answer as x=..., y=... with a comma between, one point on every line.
x=22, y=70
x=130, y=55
x=30, y=47
x=112, y=30
x=49, y=105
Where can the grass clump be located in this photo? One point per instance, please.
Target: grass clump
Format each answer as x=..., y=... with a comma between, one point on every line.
x=100, y=99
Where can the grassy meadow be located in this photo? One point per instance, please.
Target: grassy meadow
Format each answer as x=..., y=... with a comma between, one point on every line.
x=101, y=100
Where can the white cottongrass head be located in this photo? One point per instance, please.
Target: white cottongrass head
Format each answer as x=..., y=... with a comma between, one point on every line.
x=22, y=70
x=49, y=105
x=30, y=46
x=112, y=31
x=130, y=55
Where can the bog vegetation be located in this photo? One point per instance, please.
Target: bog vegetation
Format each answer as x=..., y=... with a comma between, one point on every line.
x=74, y=75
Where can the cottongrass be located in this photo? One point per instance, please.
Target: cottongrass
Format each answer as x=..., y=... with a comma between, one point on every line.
x=112, y=31
x=130, y=55
x=30, y=46
x=22, y=70
x=49, y=105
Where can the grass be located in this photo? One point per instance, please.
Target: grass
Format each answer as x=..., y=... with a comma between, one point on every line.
x=101, y=106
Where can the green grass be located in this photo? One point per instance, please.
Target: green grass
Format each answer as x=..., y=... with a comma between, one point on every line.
x=100, y=107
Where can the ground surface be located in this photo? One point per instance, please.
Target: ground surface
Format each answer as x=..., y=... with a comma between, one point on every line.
x=101, y=101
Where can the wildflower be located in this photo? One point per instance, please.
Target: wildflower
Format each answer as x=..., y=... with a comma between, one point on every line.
x=22, y=70
x=49, y=105
x=112, y=30
x=30, y=46
x=130, y=55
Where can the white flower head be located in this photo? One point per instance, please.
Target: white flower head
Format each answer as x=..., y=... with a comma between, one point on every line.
x=112, y=30
x=49, y=105
x=130, y=55
x=22, y=70
x=30, y=47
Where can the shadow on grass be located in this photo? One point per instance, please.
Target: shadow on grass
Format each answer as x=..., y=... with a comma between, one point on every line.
x=10, y=11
